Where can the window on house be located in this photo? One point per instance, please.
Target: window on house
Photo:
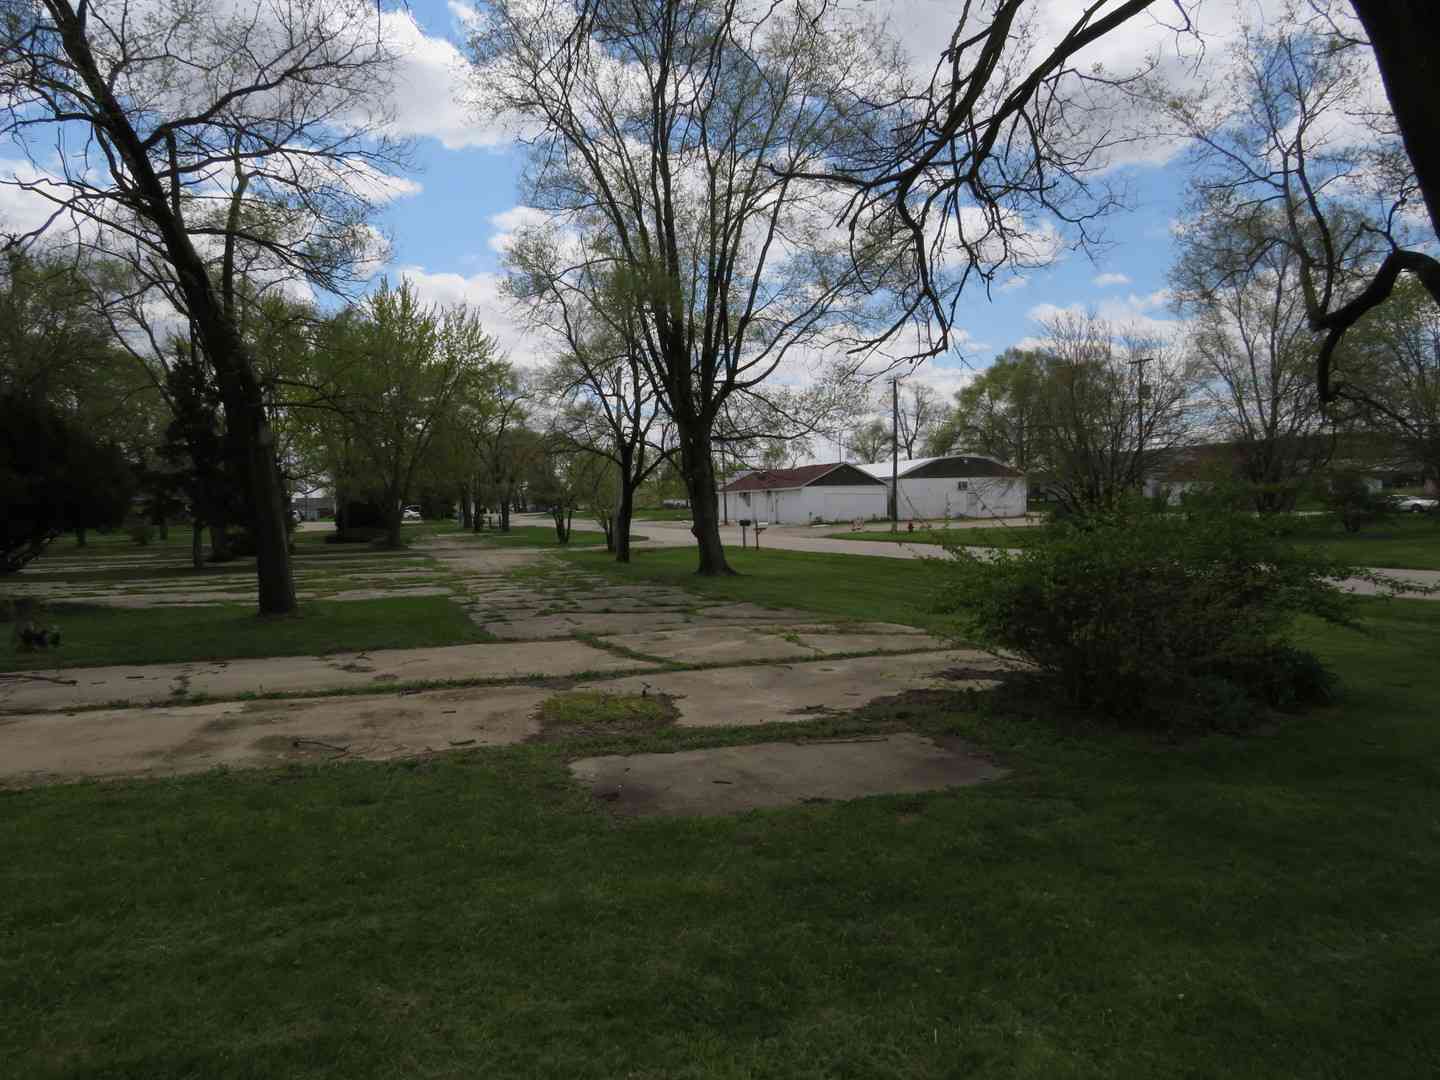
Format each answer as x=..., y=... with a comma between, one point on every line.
x=962, y=485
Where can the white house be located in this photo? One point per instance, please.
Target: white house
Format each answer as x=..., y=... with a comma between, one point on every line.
x=955, y=486
x=836, y=492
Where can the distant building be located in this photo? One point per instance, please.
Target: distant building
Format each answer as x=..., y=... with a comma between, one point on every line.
x=954, y=486
x=313, y=505
x=834, y=492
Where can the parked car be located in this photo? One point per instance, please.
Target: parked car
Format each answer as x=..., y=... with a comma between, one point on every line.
x=1414, y=504
x=410, y=513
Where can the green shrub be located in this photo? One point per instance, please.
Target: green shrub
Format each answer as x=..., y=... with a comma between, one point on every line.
x=1181, y=617
x=1354, y=504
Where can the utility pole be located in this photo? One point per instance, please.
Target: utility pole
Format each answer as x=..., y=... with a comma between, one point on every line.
x=895, y=454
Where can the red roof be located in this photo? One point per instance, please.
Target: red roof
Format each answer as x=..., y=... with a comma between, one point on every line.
x=773, y=479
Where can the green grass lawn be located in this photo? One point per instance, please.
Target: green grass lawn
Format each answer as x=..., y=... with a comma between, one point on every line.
x=1405, y=542
x=105, y=635
x=850, y=586
x=985, y=536
x=1120, y=907
x=659, y=514
x=541, y=536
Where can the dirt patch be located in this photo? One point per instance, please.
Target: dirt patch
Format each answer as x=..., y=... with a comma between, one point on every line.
x=584, y=713
x=732, y=779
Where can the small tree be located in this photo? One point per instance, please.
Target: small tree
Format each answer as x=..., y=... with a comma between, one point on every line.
x=1353, y=502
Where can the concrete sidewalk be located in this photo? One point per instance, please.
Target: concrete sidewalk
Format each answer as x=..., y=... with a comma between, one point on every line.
x=151, y=684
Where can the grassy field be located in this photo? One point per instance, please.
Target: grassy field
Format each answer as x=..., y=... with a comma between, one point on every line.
x=105, y=635
x=850, y=586
x=1405, y=542
x=664, y=515
x=996, y=536
x=541, y=536
x=1120, y=907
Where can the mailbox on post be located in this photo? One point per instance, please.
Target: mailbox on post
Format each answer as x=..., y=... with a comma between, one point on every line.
x=760, y=526
x=744, y=524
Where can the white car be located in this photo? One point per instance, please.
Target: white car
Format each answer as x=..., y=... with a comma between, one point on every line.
x=1415, y=505
x=410, y=513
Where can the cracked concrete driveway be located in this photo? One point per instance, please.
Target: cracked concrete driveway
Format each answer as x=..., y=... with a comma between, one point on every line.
x=555, y=621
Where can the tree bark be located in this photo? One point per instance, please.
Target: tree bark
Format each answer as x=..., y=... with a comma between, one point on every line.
x=394, y=524
x=197, y=545
x=80, y=540
x=220, y=544
x=467, y=509
x=624, y=511
x=698, y=467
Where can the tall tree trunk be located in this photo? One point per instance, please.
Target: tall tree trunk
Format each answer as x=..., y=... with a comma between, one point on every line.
x=197, y=545
x=80, y=540
x=220, y=544
x=394, y=523
x=624, y=511
x=699, y=469
x=467, y=508
x=239, y=388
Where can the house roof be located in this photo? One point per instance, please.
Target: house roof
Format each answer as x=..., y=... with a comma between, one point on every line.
x=802, y=476
x=949, y=465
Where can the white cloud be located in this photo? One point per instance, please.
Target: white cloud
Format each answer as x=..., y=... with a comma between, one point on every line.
x=428, y=79
x=508, y=222
x=1106, y=280
x=1132, y=315
x=1013, y=284
x=483, y=293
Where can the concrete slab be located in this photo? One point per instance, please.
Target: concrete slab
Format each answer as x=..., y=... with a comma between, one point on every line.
x=157, y=742
x=845, y=642
x=569, y=624
x=712, y=645
x=785, y=693
x=160, y=683
x=728, y=780
x=756, y=613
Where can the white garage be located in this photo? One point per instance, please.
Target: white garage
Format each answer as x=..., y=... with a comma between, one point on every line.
x=836, y=492
x=955, y=486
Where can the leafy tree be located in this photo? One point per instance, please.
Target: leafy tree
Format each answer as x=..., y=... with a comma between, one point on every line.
x=1353, y=502
x=1254, y=352
x=210, y=476
x=1000, y=413
x=1397, y=345
x=55, y=476
x=871, y=441
x=277, y=103
x=393, y=372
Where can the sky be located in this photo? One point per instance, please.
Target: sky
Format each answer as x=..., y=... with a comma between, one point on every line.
x=448, y=219
x=448, y=234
